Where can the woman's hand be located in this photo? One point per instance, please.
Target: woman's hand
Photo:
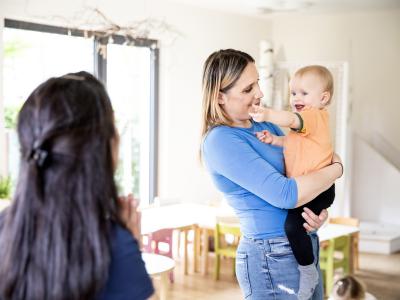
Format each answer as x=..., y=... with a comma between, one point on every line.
x=314, y=222
x=259, y=113
x=129, y=215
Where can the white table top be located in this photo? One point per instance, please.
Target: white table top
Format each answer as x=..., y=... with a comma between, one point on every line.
x=331, y=231
x=180, y=215
x=157, y=264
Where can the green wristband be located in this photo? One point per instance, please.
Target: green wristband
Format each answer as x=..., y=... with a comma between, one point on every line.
x=301, y=127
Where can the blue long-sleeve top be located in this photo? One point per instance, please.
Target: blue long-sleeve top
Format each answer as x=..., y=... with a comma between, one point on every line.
x=250, y=174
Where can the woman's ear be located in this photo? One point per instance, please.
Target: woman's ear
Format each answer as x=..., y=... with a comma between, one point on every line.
x=221, y=98
x=326, y=96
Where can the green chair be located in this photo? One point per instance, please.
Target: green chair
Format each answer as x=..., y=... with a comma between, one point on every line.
x=335, y=256
x=355, y=240
x=222, y=248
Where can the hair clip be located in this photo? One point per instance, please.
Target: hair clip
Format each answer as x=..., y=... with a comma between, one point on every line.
x=39, y=156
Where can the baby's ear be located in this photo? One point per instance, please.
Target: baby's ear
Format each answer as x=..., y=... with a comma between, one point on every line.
x=326, y=96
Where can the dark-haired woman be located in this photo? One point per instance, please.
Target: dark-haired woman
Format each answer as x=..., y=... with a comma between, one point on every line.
x=63, y=237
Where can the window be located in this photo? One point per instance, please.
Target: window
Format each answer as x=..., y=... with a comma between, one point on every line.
x=35, y=52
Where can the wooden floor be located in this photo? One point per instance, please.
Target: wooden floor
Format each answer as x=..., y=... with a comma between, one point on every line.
x=381, y=274
x=196, y=286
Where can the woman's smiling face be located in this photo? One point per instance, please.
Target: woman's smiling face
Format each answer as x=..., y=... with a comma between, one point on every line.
x=238, y=100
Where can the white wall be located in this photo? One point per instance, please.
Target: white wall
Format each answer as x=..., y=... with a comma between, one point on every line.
x=180, y=171
x=203, y=31
x=371, y=43
x=380, y=203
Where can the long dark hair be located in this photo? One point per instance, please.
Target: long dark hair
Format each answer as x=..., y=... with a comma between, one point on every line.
x=54, y=239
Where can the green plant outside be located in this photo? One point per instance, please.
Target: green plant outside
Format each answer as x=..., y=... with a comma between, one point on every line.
x=13, y=49
x=134, y=168
x=5, y=187
x=11, y=116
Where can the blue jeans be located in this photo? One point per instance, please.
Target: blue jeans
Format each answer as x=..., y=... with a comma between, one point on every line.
x=267, y=269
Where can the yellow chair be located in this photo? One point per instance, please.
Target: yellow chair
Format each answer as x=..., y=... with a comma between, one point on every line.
x=222, y=248
x=334, y=256
x=355, y=237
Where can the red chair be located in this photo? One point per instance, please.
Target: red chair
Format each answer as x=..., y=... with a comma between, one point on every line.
x=159, y=242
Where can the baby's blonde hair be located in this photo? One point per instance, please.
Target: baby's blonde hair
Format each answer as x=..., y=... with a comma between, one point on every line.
x=348, y=288
x=323, y=73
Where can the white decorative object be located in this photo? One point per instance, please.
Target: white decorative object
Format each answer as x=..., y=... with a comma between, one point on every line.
x=266, y=71
x=281, y=89
x=95, y=24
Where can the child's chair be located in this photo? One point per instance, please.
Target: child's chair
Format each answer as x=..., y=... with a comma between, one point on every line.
x=164, y=201
x=355, y=237
x=222, y=248
x=334, y=256
x=159, y=242
x=187, y=231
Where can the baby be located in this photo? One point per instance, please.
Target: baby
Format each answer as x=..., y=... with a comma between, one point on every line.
x=350, y=288
x=307, y=147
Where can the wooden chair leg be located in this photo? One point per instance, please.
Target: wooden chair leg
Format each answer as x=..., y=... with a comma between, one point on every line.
x=205, y=245
x=179, y=243
x=217, y=266
x=356, y=252
x=185, y=253
x=196, y=248
x=356, y=262
x=347, y=256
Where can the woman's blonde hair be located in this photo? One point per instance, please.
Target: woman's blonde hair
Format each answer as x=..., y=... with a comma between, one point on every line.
x=348, y=288
x=221, y=71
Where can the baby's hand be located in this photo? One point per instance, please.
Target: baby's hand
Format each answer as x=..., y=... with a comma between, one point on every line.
x=258, y=113
x=265, y=136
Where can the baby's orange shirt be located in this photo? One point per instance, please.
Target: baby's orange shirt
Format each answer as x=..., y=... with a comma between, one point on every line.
x=311, y=149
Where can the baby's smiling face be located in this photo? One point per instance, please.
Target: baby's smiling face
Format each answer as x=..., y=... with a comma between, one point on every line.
x=307, y=91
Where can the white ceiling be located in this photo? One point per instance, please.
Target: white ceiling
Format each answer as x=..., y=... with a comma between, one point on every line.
x=265, y=8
